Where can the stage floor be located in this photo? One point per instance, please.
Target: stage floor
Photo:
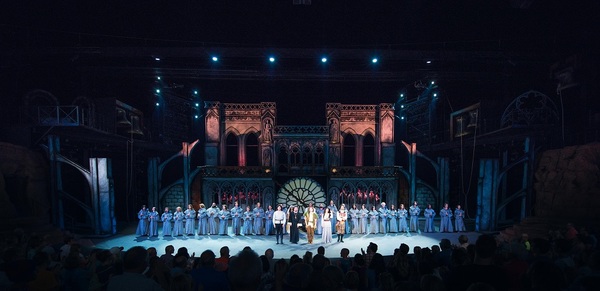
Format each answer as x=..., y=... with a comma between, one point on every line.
x=353, y=242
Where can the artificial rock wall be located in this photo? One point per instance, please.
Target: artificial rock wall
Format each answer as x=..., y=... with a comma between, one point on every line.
x=567, y=183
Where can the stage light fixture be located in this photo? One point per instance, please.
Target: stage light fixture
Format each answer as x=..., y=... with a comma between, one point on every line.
x=197, y=104
x=402, y=117
x=195, y=92
x=374, y=60
x=196, y=116
x=323, y=60
x=157, y=91
x=401, y=95
x=157, y=59
x=428, y=61
x=158, y=78
x=402, y=106
x=157, y=104
x=271, y=59
x=432, y=82
x=215, y=59
x=434, y=94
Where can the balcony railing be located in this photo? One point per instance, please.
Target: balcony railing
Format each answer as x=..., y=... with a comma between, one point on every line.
x=373, y=172
x=237, y=172
x=59, y=115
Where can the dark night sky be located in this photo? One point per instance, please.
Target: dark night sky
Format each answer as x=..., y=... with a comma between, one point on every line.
x=31, y=29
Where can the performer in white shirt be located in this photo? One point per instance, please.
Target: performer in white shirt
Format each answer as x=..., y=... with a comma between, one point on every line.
x=279, y=222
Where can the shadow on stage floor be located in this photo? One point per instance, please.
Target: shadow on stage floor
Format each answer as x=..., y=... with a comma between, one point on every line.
x=354, y=242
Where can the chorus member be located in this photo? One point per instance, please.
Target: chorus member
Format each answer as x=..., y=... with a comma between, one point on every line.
x=333, y=209
x=320, y=212
x=236, y=218
x=373, y=220
x=166, y=219
x=213, y=213
x=363, y=219
x=296, y=220
x=223, y=220
x=342, y=216
x=459, y=216
x=142, y=228
x=414, y=212
x=268, y=219
x=327, y=217
x=247, y=217
x=259, y=215
x=202, y=220
x=153, y=218
x=287, y=217
x=446, y=219
x=278, y=222
x=383, y=218
x=393, y=225
x=429, y=215
x=178, y=224
x=190, y=219
x=402, y=214
x=354, y=216
x=310, y=220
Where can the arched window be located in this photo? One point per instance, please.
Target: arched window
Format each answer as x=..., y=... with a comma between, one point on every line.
x=295, y=157
x=282, y=160
x=319, y=156
x=252, y=153
x=369, y=150
x=231, y=150
x=307, y=157
x=349, y=151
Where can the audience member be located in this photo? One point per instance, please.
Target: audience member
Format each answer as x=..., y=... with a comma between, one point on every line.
x=134, y=264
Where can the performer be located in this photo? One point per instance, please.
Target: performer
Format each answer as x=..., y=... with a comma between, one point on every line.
x=393, y=219
x=287, y=217
x=402, y=214
x=223, y=220
x=178, y=224
x=236, y=218
x=310, y=220
x=363, y=219
x=333, y=209
x=326, y=237
x=341, y=223
x=142, y=228
x=320, y=211
x=354, y=215
x=259, y=215
x=166, y=219
x=446, y=221
x=459, y=215
x=153, y=218
x=414, y=211
x=212, y=213
x=296, y=220
x=429, y=215
x=247, y=217
x=373, y=220
x=202, y=220
x=268, y=219
x=190, y=219
x=383, y=218
x=278, y=223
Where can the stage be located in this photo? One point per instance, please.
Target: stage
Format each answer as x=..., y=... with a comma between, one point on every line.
x=354, y=242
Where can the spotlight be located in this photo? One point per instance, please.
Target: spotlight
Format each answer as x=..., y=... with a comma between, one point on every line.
x=402, y=95
x=158, y=78
x=157, y=104
x=428, y=61
x=434, y=94
x=374, y=60
x=402, y=106
x=432, y=82
x=157, y=91
x=196, y=116
x=271, y=59
x=402, y=117
x=197, y=104
x=157, y=59
x=214, y=59
x=195, y=92
x=323, y=60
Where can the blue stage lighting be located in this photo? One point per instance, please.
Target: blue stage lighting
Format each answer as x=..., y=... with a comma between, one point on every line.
x=196, y=116
x=197, y=104
x=157, y=90
x=271, y=59
x=434, y=94
x=374, y=60
x=323, y=60
x=432, y=82
x=195, y=92
x=158, y=78
x=215, y=59
x=157, y=104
